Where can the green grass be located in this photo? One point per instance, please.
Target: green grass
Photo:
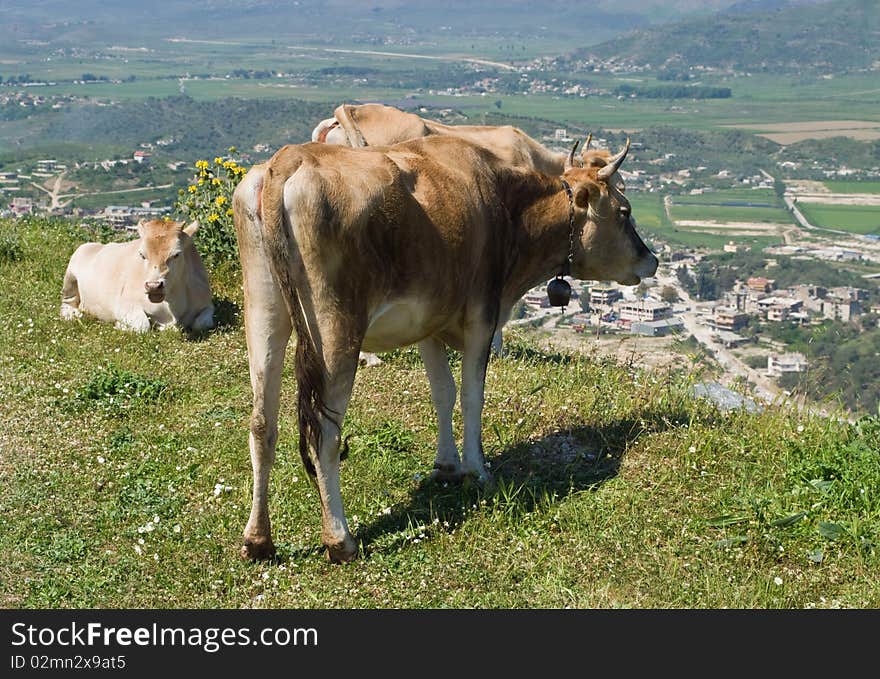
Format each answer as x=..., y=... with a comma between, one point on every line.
x=125, y=479
x=855, y=218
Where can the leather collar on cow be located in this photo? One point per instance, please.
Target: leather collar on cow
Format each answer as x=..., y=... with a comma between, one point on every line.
x=559, y=290
x=566, y=263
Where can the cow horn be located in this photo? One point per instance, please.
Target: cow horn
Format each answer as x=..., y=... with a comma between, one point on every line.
x=614, y=163
x=569, y=162
x=587, y=143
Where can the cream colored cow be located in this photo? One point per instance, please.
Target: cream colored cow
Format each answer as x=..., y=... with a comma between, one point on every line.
x=156, y=280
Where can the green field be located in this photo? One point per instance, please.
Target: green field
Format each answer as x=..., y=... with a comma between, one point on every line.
x=653, y=224
x=755, y=100
x=853, y=218
x=125, y=479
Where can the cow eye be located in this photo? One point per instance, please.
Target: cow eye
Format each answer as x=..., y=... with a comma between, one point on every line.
x=175, y=255
x=624, y=211
x=142, y=255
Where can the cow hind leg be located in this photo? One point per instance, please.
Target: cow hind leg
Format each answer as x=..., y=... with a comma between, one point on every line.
x=70, y=297
x=267, y=338
x=335, y=534
x=447, y=466
x=267, y=331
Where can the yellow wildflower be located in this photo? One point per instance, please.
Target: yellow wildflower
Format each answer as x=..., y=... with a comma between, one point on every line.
x=213, y=217
x=220, y=200
x=202, y=164
x=229, y=212
x=216, y=181
x=218, y=160
x=201, y=181
x=232, y=149
x=193, y=188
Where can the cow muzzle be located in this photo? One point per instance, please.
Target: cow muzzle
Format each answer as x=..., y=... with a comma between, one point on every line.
x=155, y=291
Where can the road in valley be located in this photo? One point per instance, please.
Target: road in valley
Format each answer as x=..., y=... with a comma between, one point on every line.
x=733, y=367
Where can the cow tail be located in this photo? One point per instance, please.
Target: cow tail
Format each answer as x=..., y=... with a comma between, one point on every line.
x=309, y=365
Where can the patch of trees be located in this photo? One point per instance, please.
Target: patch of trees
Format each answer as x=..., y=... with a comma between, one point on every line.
x=674, y=75
x=15, y=79
x=248, y=73
x=674, y=91
x=843, y=363
x=831, y=152
x=736, y=151
x=201, y=128
x=347, y=70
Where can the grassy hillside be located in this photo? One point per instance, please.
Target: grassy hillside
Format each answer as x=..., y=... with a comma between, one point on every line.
x=124, y=479
x=829, y=37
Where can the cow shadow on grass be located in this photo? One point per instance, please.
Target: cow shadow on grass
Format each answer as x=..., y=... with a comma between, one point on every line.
x=527, y=475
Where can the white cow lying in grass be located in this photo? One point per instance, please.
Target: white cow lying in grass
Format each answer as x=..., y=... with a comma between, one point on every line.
x=158, y=279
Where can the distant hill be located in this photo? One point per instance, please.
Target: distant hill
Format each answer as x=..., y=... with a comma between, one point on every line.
x=828, y=37
x=108, y=21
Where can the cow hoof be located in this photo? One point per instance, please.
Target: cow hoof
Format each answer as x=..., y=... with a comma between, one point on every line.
x=479, y=476
x=257, y=549
x=369, y=360
x=344, y=552
x=446, y=473
x=69, y=313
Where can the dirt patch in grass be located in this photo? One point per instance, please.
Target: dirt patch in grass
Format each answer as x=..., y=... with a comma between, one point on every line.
x=790, y=133
x=648, y=352
x=869, y=199
x=761, y=227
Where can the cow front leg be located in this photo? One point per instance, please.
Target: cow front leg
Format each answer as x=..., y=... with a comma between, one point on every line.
x=70, y=297
x=133, y=320
x=473, y=383
x=447, y=466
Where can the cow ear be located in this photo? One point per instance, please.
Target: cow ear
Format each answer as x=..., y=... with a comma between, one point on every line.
x=191, y=228
x=582, y=196
x=140, y=227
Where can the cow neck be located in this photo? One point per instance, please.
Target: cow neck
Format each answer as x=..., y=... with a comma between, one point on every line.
x=546, y=232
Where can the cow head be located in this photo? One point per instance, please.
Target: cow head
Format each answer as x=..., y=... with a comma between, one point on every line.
x=162, y=248
x=609, y=248
x=329, y=131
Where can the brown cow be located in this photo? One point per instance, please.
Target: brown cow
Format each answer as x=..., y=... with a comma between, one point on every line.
x=360, y=125
x=431, y=242
x=380, y=125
